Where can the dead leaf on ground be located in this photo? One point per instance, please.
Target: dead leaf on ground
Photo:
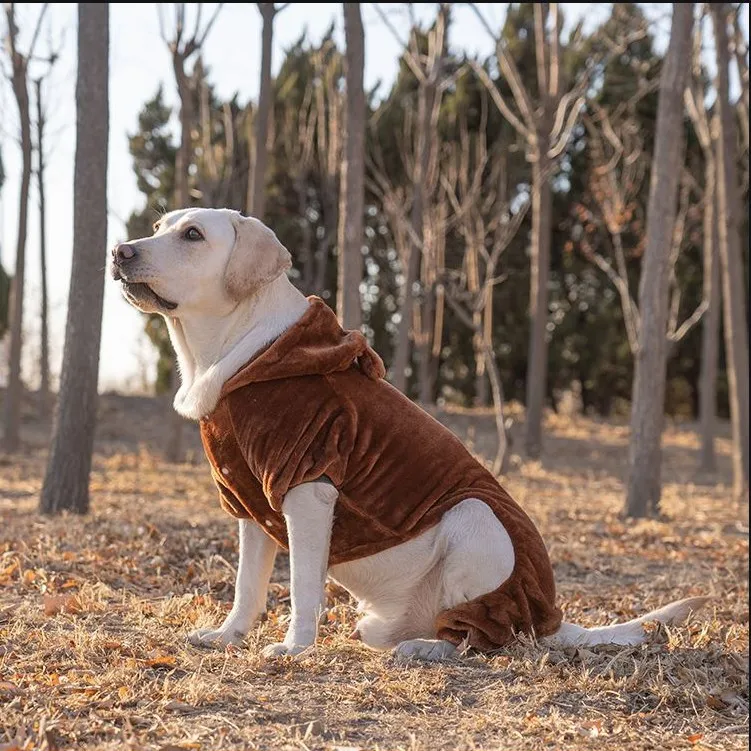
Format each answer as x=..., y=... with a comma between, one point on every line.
x=54, y=604
x=161, y=661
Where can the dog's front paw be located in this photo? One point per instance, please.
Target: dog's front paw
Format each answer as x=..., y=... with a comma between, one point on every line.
x=280, y=649
x=429, y=650
x=215, y=638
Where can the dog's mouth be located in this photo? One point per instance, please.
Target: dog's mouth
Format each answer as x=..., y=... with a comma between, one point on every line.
x=140, y=293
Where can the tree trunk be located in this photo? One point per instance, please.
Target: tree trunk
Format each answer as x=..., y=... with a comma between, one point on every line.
x=173, y=450
x=500, y=463
x=537, y=362
x=648, y=402
x=733, y=285
x=66, y=483
x=426, y=98
x=350, y=267
x=44, y=359
x=402, y=348
x=257, y=184
x=710, y=341
x=183, y=158
x=14, y=393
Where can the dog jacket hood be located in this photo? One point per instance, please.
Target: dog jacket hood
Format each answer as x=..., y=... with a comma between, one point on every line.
x=314, y=405
x=315, y=345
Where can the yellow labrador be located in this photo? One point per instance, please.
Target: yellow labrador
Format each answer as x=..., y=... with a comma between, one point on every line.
x=218, y=279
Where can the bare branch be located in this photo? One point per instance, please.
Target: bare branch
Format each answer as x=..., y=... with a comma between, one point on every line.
x=412, y=62
x=37, y=29
x=209, y=25
x=500, y=102
x=628, y=306
x=160, y=17
x=540, y=13
x=690, y=322
x=573, y=114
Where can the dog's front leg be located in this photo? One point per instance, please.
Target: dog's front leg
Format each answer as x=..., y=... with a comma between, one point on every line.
x=254, y=567
x=309, y=512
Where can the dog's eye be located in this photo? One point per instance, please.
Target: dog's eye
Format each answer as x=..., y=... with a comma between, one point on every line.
x=192, y=234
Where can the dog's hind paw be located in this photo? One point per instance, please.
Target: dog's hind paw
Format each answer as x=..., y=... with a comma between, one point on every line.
x=281, y=649
x=215, y=638
x=428, y=650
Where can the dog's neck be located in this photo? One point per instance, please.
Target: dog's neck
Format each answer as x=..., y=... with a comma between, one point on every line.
x=210, y=350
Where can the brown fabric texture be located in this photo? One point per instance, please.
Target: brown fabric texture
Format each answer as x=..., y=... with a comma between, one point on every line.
x=314, y=405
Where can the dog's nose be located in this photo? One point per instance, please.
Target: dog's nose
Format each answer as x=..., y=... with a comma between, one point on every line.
x=124, y=252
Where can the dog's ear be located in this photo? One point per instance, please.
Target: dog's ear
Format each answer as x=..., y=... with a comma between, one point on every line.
x=257, y=258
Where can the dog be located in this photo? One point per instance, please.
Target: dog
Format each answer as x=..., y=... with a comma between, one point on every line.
x=460, y=567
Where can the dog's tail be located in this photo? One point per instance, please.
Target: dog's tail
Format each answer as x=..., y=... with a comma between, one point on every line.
x=624, y=634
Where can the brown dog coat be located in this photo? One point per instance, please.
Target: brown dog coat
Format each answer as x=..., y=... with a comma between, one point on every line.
x=314, y=405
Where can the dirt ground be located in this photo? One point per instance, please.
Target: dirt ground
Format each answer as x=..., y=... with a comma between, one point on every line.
x=94, y=613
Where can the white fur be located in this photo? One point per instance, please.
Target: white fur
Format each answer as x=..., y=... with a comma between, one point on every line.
x=244, y=332
x=256, y=562
x=401, y=590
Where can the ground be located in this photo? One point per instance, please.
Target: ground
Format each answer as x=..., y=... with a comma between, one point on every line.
x=94, y=612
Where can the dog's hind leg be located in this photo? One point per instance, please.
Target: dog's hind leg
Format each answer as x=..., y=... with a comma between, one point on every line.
x=478, y=558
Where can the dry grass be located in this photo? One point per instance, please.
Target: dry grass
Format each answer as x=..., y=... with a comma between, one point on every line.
x=94, y=611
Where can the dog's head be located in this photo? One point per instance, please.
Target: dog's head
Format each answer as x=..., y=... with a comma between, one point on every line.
x=198, y=261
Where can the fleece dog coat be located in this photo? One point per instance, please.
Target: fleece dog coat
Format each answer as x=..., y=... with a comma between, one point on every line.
x=314, y=404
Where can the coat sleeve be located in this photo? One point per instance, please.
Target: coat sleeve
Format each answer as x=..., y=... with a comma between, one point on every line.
x=304, y=433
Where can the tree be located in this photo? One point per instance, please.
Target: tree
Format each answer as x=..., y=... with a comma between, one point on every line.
x=475, y=184
x=257, y=184
x=545, y=119
x=183, y=48
x=648, y=403
x=20, y=84
x=733, y=286
x=66, y=482
x=44, y=358
x=418, y=306
x=352, y=190
x=705, y=127
x=619, y=166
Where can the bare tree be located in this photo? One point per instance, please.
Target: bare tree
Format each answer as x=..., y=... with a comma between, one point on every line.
x=183, y=47
x=648, y=402
x=350, y=264
x=19, y=78
x=476, y=187
x=706, y=132
x=733, y=287
x=66, y=483
x=297, y=137
x=328, y=102
x=619, y=165
x=257, y=182
x=44, y=359
x=545, y=126
x=418, y=305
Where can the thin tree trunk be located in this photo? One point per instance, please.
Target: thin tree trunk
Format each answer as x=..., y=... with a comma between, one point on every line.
x=402, y=348
x=426, y=97
x=306, y=247
x=66, y=483
x=44, y=359
x=350, y=267
x=710, y=342
x=537, y=361
x=257, y=184
x=733, y=285
x=648, y=402
x=500, y=464
x=14, y=393
x=173, y=450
